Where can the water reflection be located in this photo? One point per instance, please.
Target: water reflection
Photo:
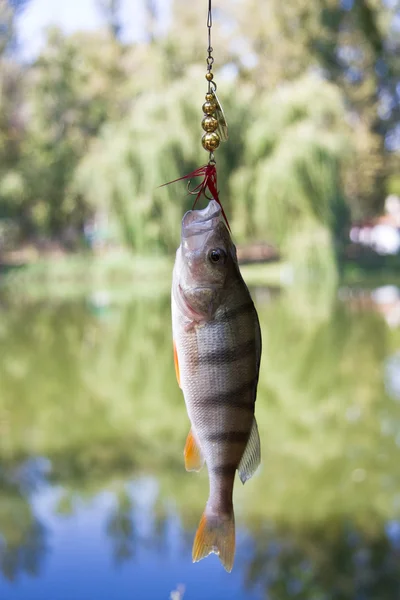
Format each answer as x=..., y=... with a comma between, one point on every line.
x=23, y=543
x=120, y=529
x=337, y=560
x=92, y=427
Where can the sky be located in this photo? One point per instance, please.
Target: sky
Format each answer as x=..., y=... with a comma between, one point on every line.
x=73, y=15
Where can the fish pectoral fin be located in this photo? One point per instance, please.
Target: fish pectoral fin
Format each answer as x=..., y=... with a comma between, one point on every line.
x=176, y=363
x=251, y=456
x=194, y=459
x=216, y=533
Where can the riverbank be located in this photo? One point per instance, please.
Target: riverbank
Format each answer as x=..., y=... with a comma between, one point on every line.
x=121, y=274
x=117, y=272
x=73, y=275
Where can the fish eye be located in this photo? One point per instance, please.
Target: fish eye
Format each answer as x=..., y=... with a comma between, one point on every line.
x=217, y=255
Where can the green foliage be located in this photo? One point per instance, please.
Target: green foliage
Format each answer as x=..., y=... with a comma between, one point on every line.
x=291, y=172
x=129, y=161
x=355, y=45
x=394, y=185
x=87, y=133
x=72, y=93
x=285, y=176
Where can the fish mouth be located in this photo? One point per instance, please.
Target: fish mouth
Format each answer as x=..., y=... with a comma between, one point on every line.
x=197, y=224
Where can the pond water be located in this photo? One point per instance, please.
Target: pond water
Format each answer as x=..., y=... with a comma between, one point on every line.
x=94, y=499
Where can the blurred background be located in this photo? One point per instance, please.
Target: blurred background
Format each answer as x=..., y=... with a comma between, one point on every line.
x=100, y=103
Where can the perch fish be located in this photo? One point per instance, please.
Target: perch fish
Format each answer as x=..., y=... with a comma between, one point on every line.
x=217, y=351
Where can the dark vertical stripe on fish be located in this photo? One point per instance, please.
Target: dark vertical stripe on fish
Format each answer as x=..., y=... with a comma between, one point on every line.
x=230, y=437
x=232, y=399
x=232, y=313
x=222, y=357
x=227, y=315
x=224, y=470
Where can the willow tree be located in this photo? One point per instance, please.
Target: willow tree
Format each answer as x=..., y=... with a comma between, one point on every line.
x=289, y=188
x=279, y=174
x=356, y=46
x=159, y=142
x=71, y=90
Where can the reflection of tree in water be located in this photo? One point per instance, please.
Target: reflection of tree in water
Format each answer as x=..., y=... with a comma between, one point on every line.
x=160, y=530
x=22, y=536
x=337, y=561
x=320, y=411
x=26, y=555
x=129, y=527
x=120, y=529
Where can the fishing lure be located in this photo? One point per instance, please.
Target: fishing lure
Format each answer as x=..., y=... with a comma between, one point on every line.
x=216, y=131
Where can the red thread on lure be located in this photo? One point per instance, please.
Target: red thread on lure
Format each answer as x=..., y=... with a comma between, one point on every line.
x=209, y=182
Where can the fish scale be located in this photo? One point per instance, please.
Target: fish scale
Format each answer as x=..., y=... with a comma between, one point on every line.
x=217, y=344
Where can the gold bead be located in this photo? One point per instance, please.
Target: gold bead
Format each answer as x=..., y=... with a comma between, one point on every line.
x=209, y=123
x=210, y=141
x=210, y=97
x=209, y=108
x=209, y=76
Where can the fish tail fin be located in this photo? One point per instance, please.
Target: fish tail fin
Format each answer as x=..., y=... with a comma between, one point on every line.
x=216, y=533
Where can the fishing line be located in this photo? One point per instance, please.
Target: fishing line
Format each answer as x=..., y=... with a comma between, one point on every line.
x=216, y=131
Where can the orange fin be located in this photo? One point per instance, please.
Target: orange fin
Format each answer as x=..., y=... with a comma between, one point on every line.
x=194, y=459
x=216, y=533
x=178, y=376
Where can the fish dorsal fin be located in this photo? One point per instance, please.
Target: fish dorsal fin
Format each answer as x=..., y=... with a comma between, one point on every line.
x=194, y=459
x=176, y=363
x=251, y=456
